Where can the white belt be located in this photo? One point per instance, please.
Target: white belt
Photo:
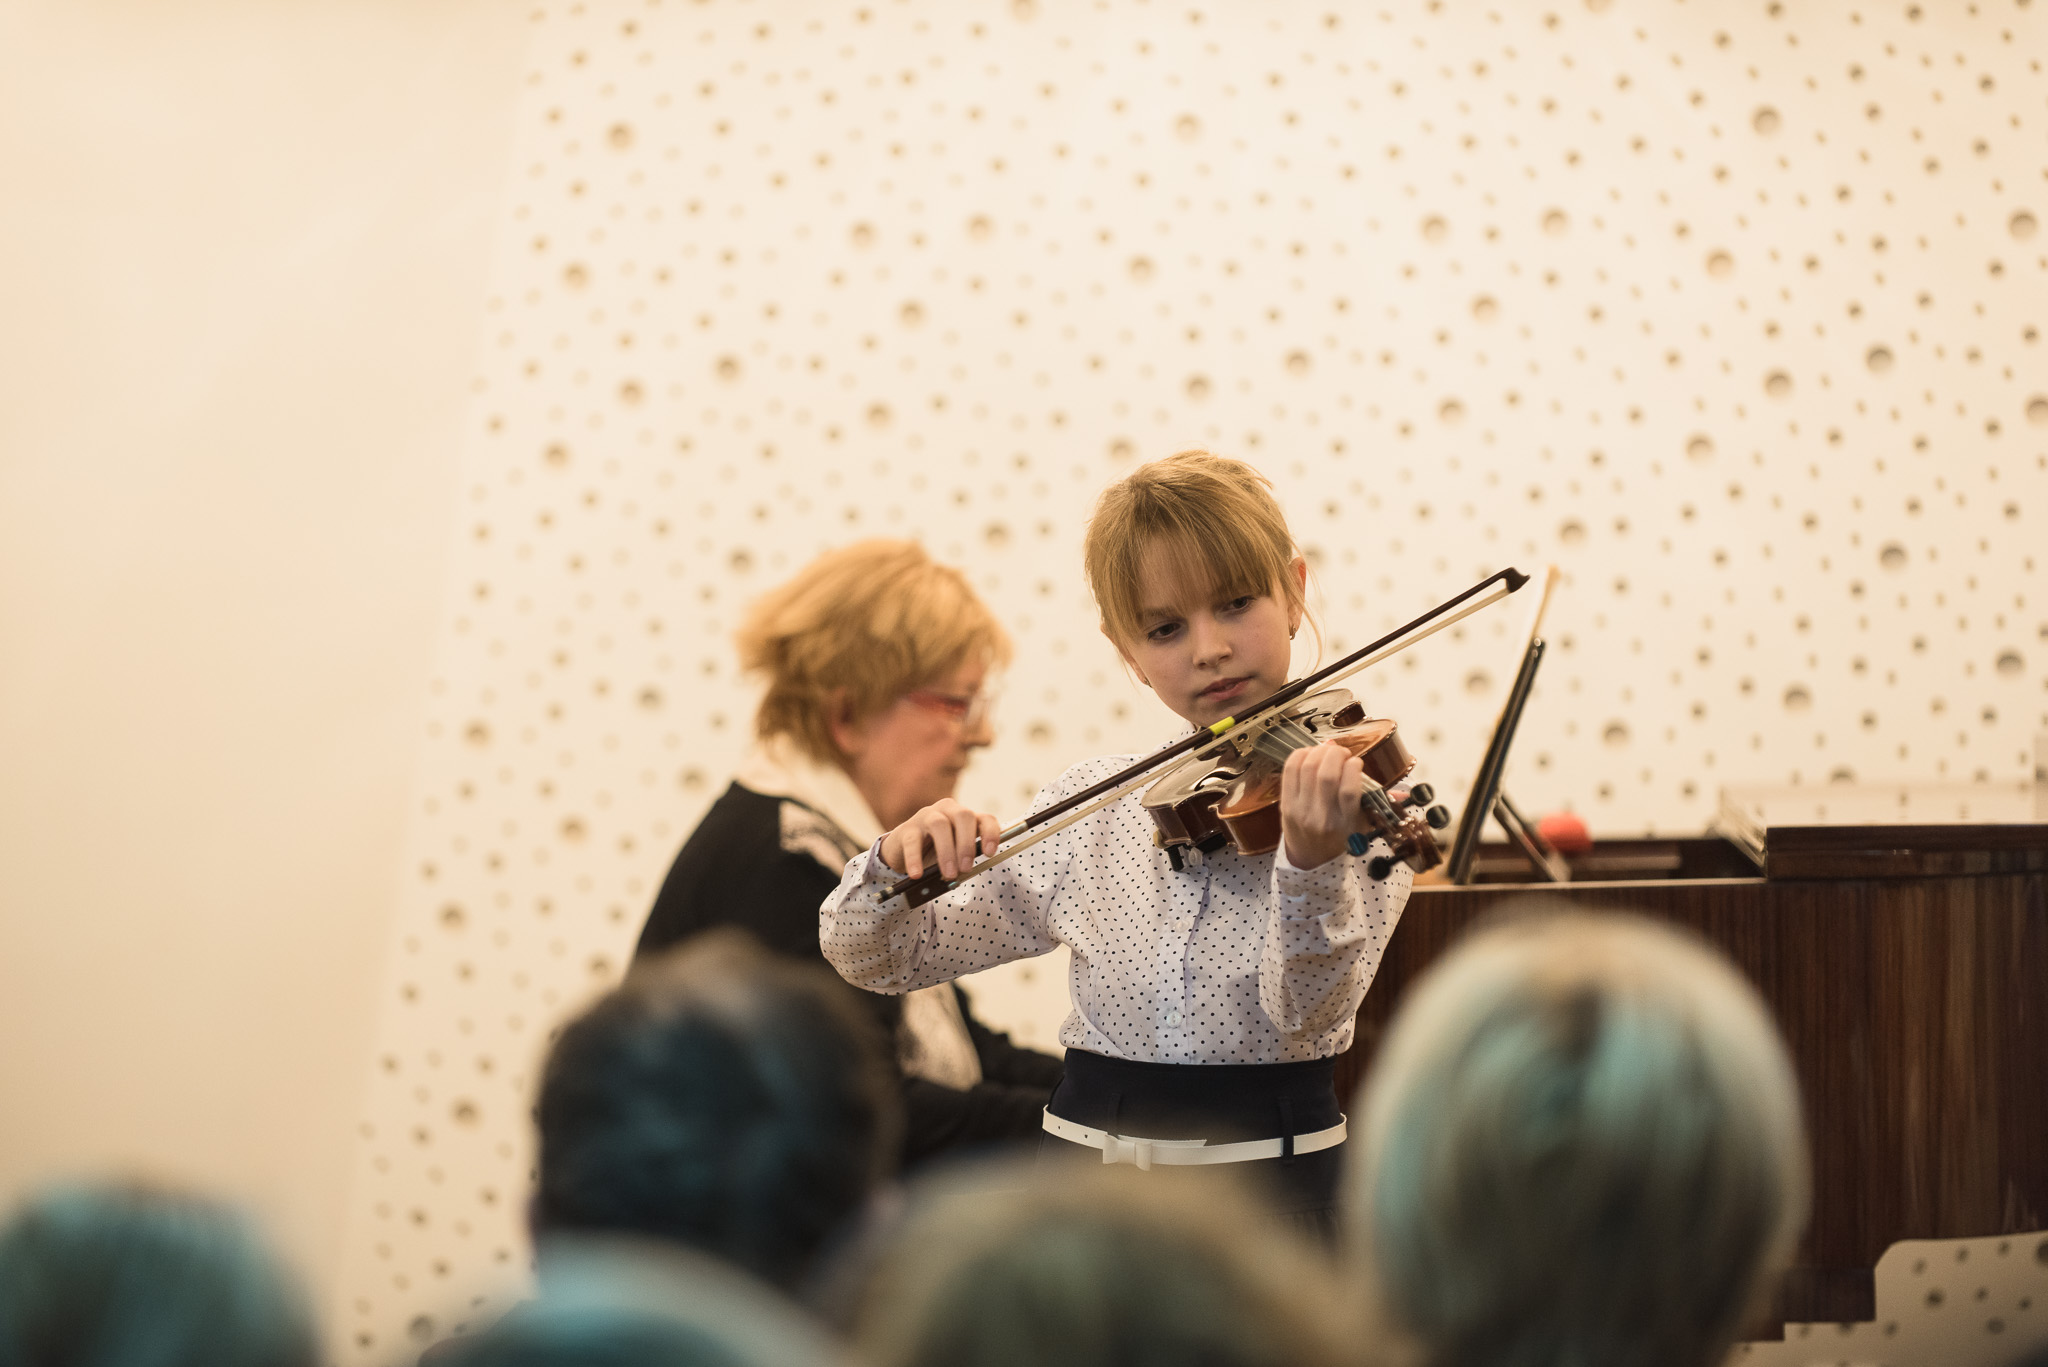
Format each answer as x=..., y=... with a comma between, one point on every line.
x=1118, y=1148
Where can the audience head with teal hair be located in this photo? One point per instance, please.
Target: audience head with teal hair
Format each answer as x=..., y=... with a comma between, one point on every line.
x=1581, y=1144
x=124, y=1276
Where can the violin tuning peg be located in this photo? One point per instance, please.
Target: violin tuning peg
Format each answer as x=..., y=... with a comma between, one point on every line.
x=1421, y=795
x=1357, y=844
x=1438, y=817
x=1379, y=868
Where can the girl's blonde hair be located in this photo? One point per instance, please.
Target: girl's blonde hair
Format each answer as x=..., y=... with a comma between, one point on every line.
x=1211, y=523
x=1581, y=1142
x=872, y=621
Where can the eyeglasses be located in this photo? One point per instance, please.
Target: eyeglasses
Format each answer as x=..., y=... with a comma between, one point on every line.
x=971, y=711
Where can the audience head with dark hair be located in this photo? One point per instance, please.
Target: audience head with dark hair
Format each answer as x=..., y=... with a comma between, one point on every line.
x=129, y=1277
x=1581, y=1143
x=722, y=1099
x=1096, y=1268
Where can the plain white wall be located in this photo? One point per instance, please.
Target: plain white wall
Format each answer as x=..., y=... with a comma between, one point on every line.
x=242, y=261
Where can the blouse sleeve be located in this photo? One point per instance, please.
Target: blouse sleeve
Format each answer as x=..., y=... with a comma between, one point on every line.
x=994, y=918
x=1324, y=937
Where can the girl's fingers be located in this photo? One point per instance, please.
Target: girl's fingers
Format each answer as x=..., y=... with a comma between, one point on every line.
x=964, y=828
x=922, y=842
x=1336, y=770
x=942, y=836
x=1314, y=780
x=1329, y=761
x=1298, y=784
x=1298, y=781
x=939, y=830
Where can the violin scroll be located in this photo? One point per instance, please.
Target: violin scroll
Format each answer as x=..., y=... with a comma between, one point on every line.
x=1408, y=825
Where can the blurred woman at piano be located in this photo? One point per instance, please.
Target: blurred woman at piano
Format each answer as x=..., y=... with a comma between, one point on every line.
x=877, y=662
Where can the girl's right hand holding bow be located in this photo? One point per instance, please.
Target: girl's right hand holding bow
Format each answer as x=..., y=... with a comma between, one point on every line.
x=943, y=833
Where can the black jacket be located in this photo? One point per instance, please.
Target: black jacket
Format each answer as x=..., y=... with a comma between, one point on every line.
x=736, y=871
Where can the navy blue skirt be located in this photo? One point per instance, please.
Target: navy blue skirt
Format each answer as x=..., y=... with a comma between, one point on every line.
x=1224, y=1103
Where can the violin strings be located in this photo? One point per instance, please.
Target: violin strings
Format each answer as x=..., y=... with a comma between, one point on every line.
x=1282, y=738
x=1294, y=734
x=1270, y=745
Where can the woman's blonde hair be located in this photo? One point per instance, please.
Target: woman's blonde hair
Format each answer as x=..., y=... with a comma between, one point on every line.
x=1581, y=1144
x=871, y=621
x=1213, y=525
x=1095, y=1267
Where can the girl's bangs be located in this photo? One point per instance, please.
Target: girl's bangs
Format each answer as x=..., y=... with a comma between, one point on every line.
x=1198, y=564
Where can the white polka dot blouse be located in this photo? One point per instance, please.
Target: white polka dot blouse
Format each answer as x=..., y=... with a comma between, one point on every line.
x=1233, y=959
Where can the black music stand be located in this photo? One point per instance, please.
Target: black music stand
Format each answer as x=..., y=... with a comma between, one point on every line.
x=1486, y=797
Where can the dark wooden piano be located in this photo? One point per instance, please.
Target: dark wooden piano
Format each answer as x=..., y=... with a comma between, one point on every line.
x=1900, y=935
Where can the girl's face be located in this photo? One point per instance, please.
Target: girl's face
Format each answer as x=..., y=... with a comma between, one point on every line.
x=1206, y=659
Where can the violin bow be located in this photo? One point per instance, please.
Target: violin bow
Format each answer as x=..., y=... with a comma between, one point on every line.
x=1081, y=805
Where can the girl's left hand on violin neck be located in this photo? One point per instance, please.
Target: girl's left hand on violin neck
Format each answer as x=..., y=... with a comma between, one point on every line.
x=1320, y=790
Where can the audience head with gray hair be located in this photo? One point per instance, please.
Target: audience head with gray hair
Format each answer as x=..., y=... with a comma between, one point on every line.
x=721, y=1100
x=1105, y=1267
x=126, y=1276
x=1581, y=1144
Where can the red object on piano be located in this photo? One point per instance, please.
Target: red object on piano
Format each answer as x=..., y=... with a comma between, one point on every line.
x=1566, y=832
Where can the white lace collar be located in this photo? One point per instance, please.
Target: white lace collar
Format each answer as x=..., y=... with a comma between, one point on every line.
x=778, y=767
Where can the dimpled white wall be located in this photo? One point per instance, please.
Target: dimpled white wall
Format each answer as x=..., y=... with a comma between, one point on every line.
x=1940, y=1302
x=1732, y=311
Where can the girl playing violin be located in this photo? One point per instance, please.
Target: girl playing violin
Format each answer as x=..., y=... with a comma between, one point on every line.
x=1209, y=1001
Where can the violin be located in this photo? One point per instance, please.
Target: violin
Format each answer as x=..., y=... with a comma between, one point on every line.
x=1232, y=797
x=1268, y=723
